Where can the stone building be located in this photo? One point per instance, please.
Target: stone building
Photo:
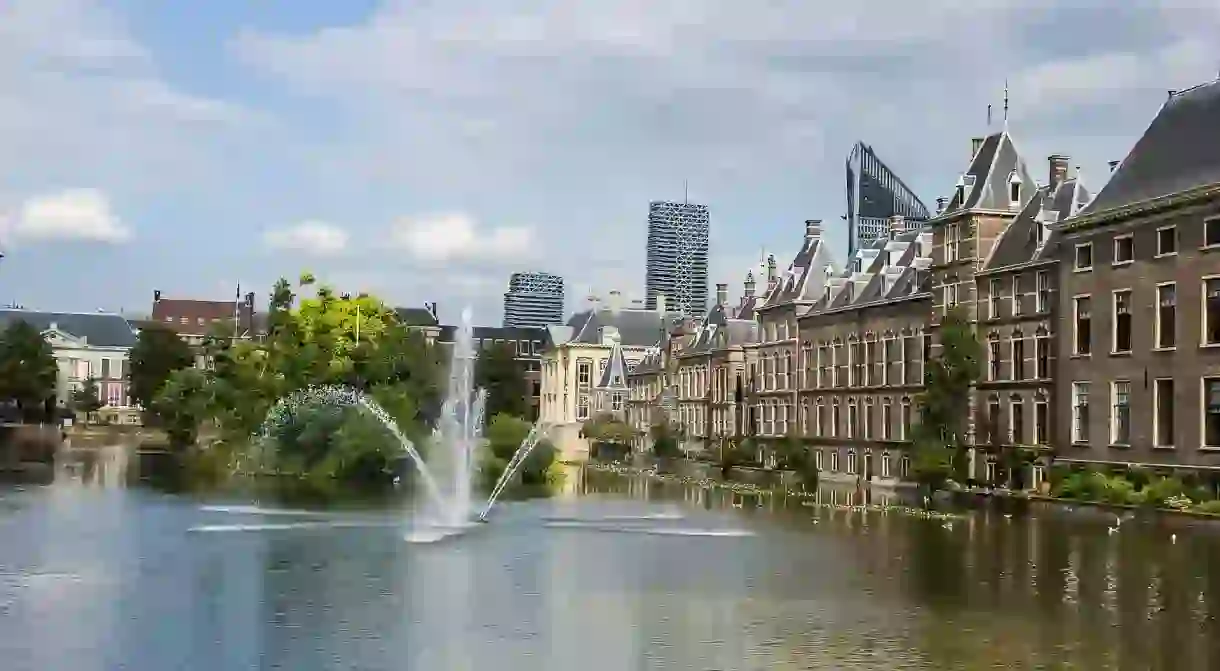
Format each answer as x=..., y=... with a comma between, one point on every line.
x=1139, y=271
x=861, y=362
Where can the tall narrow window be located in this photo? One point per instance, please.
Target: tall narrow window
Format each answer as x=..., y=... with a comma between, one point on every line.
x=1080, y=412
x=1211, y=232
x=1211, y=311
x=1042, y=423
x=1084, y=256
x=1162, y=399
x=1211, y=412
x=995, y=363
x=995, y=293
x=1043, y=344
x=867, y=427
x=1124, y=249
x=904, y=419
x=950, y=295
x=819, y=422
x=1122, y=321
x=887, y=420
x=892, y=365
x=1120, y=419
x=1016, y=295
x=1166, y=316
x=1016, y=421
x=853, y=419
x=1083, y=340
x=927, y=354
x=994, y=433
x=950, y=243
x=1018, y=357
x=834, y=419
x=1166, y=241
x=1044, y=291
x=870, y=362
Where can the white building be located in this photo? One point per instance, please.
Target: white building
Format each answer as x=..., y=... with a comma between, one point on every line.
x=576, y=358
x=87, y=346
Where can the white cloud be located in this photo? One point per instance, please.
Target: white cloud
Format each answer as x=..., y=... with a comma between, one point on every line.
x=456, y=236
x=72, y=215
x=316, y=238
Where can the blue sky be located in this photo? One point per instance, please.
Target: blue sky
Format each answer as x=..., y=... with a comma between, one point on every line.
x=425, y=150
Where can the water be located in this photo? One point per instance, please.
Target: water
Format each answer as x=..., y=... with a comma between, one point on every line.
x=104, y=578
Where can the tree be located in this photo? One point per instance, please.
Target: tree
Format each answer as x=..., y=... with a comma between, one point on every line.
x=793, y=455
x=28, y=372
x=87, y=400
x=158, y=352
x=183, y=403
x=505, y=434
x=664, y=441
x=499, y=372
x=940, y=438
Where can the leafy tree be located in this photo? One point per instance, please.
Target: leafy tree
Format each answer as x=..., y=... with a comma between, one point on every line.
x=940, y=438
x=664, y=441
x=158, y=352
x=793, y=455
x=183, y=404
x=499, y=372
x=28, y=372
x=87, y=399
x=504, y=437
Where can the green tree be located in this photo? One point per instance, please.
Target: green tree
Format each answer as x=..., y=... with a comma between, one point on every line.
x=183, y=404
x=499, y=372
x=504, y=436
x=87, y=400
x=28, y=372
x=940, y=438
x=665, y=444
x=157, y=354
x=793, y=455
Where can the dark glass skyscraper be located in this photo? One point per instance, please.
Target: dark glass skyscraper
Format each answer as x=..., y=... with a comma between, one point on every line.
x=874, y=194
x=677, y=257
x=533, y=300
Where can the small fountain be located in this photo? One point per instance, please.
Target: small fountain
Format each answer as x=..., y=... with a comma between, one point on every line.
x=458, y=434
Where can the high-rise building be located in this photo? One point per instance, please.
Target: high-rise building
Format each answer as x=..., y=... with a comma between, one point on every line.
x=874, y=194
x=677, y=256
x=533, y=300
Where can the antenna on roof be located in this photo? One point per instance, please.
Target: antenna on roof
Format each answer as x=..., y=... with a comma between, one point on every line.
x=1005, y=104
x=988, y=116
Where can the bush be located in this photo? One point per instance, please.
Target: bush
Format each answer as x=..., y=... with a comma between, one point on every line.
x=1210, y=507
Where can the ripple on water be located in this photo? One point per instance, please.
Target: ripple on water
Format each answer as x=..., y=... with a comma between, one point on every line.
x=651, y=531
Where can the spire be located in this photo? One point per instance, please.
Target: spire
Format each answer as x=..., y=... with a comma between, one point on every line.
x=614, y=377
x=1006, y=105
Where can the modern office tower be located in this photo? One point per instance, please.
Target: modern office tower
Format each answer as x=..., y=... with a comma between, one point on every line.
x=533, y=300
x=677, y=257
x=874, y=194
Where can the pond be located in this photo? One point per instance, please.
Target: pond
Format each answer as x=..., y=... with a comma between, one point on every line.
x=615, y=572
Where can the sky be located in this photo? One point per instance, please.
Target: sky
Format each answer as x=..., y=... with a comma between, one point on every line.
x=424, y=150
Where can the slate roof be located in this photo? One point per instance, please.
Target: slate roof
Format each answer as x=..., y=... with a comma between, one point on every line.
x=100, y=329
x=890, y=269
x=614, y=377
x=985, y=182
x=1178, y=152
x=803, y=281
x=416, y=317
x=1018, y=244
x=721, y=330
x=636, y=328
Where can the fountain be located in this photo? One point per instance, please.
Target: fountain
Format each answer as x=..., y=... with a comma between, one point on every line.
x=458, y=433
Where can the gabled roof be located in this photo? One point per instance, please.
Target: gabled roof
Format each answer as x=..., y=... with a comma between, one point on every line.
x=614, y=377
x=803, y=281
x=99, y=329
x=1018, y=244
x=416, y=317
x=636, y=328
x=986, y=181
x=891, y=270
x=1179, y=151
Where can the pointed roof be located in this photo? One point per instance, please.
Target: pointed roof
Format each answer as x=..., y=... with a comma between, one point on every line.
x=985, y=182
x=804, y=280
x=1178, y=153
x=614, y=377
x=1019, y=243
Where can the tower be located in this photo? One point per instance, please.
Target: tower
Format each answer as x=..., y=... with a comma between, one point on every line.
x=533, y=300
x=677, y=254
x=874, y=194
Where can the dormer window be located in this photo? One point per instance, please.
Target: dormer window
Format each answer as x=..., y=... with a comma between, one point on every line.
x=961, y=194
x=1014, y=188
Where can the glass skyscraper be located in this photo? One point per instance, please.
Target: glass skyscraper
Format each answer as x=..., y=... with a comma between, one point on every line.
x=677, y=257
x=874, y=194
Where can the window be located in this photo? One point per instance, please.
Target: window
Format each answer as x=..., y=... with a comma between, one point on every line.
x=885, y=465
x=1162, y=401
x=1016, y=422
x=995, y=363
x=1043, y=346
x=582, y=407
x=819, y=419
x=834, y=461
x=584, y=372
x=834, y=419
x=1018, y=357
x=1121, y=340
x=1211, y=311
x=1166, y=241
x=904, y=419
x=1166, y=315
x=991, y=469
x=1124, y=249
x=927, y=353
x=870, y=359
x=950, y=295
x=867, y=432
x=1082, y=344
x=1014, y=190
x=1211, y=410
x=993, y=299
x=1084, y=256
x=851, y=462
x=1042, y=423
x=1080, y=412
x=1044, y=291
x=616, y=402
x=1211, y=232
x=1120, y=413
x=853, y=419
x=951, y=233
x=904, y=466
x=1016, y=295
x=993, y=422
x=887, y=420
x=105, y=369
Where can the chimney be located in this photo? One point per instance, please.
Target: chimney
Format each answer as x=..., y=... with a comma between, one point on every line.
x=898, y=224
x=1113, y=165
x=976, y=143
x=722, y=294
x=813, y=228
x=772, y=274
x=156, y=295
x=615, y=301
x=940, y=204
x=1058, y=170
x=748, y=286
